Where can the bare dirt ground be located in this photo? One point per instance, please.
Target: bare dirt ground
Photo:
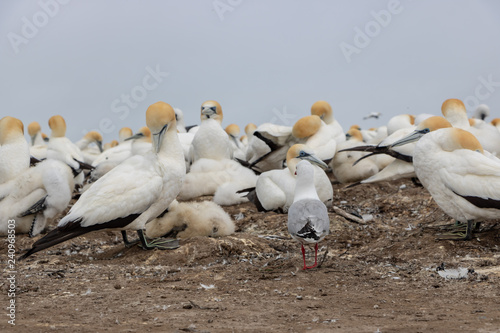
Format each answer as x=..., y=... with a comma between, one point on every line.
x=376, y=277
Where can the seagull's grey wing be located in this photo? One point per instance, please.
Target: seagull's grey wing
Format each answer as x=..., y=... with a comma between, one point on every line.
x=308, y=219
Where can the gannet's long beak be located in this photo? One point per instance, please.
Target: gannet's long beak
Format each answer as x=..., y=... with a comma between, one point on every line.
x=314, y=160
x=158, y=138
x=412, y=137
x=99, y=145
x=135, y=136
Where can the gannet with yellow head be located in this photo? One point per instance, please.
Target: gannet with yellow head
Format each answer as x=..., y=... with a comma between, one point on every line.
x=14, y=149
x=275, y=188
x=132, y=194
x=90, y=153
x=313, y=132
x=323, y=109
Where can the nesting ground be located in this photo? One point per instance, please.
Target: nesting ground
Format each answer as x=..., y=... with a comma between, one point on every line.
x=378, y=276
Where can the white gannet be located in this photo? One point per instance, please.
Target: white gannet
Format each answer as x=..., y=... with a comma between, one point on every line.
x=211, y=141
x=274, y=188
x=454, y=111
x=61, y=148
x=89, y=152
x=496, y=123
x=323, y=110
x=191, y=219
x=267, y=147
x=402, y=165
x=314, y=133
x=38, y=148
x=141, y=141
x=221, y=178
x=14, y=149
x=481, y=112
x=233, y=131
x=111, y=144
x=400, y=121
x=133, y=193
x=308, y=220
x=36, y=196
x=179, y=117
x=342, y=164
x=462, y=178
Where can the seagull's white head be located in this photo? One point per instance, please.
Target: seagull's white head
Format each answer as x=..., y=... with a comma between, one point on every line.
x=58, y=126
x=10, y=129
x=211, y=110
x=304, y=169
x=160, y=118
x=323, y=110
x=299, y=152
x=94, y=136
x=306, y=126
x=428, y=125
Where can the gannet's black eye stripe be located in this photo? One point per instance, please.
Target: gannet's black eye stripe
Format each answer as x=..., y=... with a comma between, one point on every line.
x=213, y=108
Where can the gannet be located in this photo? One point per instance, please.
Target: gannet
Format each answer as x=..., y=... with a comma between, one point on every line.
x=481, y=112
x=179, y=117
x=402, y=165
x=267, y=147
x=323, y=110
x=14, y=149
x=141, y=141
x=211, y=141
x=36, y=196
x=124, y=133
x=208, y=176
x=454, y=111
x=89, y=152
x=191, y=219
x=132, y=194
x=342, y=164
x=61, y=148
x=314, y=133
x=308, y=220
x=35, y=133
x=111, y=144
x=496, y=123
x=400, y=121
x=462, y=178
x=274, y=188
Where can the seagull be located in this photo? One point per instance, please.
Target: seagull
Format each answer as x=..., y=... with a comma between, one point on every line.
x=308, y=220
x=462, y=178
x=133, y=193
x=372, y=115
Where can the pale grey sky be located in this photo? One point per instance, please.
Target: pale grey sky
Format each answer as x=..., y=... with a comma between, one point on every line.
x=101, y=63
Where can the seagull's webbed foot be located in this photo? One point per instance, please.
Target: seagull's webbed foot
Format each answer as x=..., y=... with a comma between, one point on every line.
x=157, y=243
x=461, y=231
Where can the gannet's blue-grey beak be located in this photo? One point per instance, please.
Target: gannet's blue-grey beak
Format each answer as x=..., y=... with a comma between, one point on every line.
x=314, y=160
x=208, y=110
x=158, y=137
x=412, y=137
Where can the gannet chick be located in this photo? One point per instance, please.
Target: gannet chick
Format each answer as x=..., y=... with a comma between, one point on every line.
x=36, y=196
x=454, y=111
x=462, y=178
x=191, y=219
x=133, y=193
x=179, y=117
x=274, y=188
x=308, y=220
x=314, y=133
x=323, y=110
x=342, y=164
x=90, y=153
x=211, y=141
x=14, y=149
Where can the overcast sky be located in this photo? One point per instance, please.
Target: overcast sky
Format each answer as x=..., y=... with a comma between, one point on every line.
x=100, y=64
